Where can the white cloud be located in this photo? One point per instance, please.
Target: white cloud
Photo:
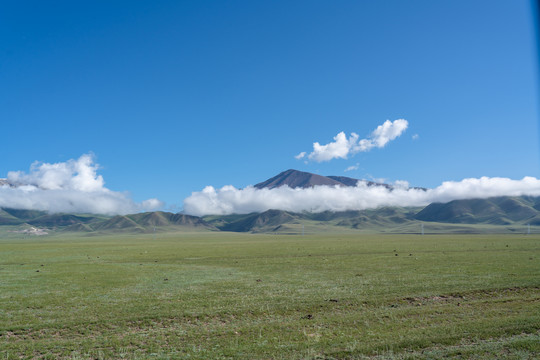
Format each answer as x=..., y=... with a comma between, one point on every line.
x=301, y=155
x=415, y=137
x=342, y=146
x=71, y=186
x=229, y=200
x=352, y=167
x=387, y=132
x=402, y=184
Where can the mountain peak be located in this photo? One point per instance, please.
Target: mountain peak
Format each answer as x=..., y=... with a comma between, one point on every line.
x=301, y=179
x=296, y=179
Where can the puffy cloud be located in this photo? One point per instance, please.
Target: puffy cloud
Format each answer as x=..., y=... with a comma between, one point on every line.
x=77, y=175
x=383, y=134
x=229, y=200
x=342, y=146
x=71, y=186
x=402, y=184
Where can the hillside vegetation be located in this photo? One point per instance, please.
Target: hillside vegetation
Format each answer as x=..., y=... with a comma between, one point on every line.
x=494, y=215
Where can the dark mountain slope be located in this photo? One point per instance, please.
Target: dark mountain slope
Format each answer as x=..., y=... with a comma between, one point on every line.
x=258, y=222
x=347, y=181
x=24, y=214
x=296, y=179
x=56, y=220
x=300, y=179
x=8, y=219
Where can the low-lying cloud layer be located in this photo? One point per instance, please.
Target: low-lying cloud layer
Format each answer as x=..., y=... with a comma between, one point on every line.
x=72, y=186
x=342, y=146
x=229, y=200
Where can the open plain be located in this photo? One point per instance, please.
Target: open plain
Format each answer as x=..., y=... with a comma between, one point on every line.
x=225, y=295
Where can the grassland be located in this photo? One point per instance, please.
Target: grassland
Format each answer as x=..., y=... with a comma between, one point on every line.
x=240, y=296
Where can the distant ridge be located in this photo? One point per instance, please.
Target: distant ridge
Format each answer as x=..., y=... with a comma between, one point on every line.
x=133, y=223
x=497, y=214
x=502, y=210
x=148, y=221
x=300, y=179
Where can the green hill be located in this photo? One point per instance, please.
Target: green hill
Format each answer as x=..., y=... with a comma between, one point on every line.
x=256, y=222
x=153, y=221
x=497, y=211
x=59, y=220
x=119, y=223
x=499, y=214
x=8, y=219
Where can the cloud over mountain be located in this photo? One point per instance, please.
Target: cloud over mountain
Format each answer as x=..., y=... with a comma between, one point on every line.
x=229, y=200
x=342, y=146
x=71, y=186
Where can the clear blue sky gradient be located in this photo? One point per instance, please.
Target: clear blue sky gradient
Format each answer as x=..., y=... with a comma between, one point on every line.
x=172, y=96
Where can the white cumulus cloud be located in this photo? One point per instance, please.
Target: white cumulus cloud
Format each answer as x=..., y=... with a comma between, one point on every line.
x=342, y=146
x=229, y=200
x=339, y=149
x=71, y=186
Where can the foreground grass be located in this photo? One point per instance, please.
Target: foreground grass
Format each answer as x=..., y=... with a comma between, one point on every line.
x=209, y=295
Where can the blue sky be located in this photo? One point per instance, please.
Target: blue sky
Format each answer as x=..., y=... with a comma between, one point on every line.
x=173, y=96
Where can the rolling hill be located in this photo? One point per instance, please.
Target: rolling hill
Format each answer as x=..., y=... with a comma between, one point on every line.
x=495, y=214
x=134, y=223
x=498, y=211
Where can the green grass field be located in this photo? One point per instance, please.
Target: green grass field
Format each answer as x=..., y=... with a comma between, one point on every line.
x=240, y=296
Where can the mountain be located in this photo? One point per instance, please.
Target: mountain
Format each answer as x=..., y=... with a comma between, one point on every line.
x=504, y=210
x=24, y=215
x=7, y=219
x=134, y=223
x=497, y=214
x=266, y=221
x=296, y=179
x=119, y=223
x=58, y=220
x=152, y=221
x=347, y=181
x=300, y=179
x=161, y=219
x=279, y=221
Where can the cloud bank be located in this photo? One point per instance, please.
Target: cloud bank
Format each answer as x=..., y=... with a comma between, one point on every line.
x=72, y=186
x=342, y=146
x=229, y=200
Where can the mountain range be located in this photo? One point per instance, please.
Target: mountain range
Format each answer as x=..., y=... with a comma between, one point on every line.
x=499, y=214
